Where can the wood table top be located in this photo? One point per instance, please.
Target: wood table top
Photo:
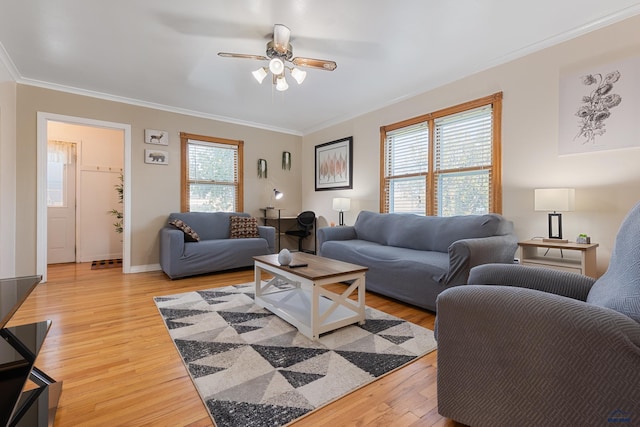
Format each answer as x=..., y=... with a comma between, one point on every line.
x=318, y=267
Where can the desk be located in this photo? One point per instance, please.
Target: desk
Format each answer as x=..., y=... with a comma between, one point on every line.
x=19, y=348
x=284, y=223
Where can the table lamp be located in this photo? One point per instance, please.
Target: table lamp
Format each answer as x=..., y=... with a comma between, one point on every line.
x=341, y=204
x=275, y=195
x=556, y=200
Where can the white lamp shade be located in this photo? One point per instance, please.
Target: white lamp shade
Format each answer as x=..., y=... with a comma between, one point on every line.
x=276, y=66
x=277, y=194
x=281, y=84
x=298, y=75
x=554, y=199
x=341, y=204
x=260, y=74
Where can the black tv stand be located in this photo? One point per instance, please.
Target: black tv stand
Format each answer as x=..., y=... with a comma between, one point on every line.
x=19, y=348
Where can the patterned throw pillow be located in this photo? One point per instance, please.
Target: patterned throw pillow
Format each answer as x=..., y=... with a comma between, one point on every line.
x=190, y=234
x=242, y=227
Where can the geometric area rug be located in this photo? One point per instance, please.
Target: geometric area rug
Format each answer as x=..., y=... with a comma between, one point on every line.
x=253, y=369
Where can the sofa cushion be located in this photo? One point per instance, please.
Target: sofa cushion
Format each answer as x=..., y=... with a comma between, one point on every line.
x=209, y=225
x=241, y=227
x=433, y=233
x=425, y=233
x=190, y=234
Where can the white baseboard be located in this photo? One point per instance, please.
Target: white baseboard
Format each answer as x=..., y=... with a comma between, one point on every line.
x=144, y=268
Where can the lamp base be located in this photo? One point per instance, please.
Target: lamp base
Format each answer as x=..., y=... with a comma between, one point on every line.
x=545, y=240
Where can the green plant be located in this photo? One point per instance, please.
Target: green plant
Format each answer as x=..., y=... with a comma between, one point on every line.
x=116, y=213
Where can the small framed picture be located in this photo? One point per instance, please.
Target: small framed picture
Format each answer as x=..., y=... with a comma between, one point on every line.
x=159, y=137
x=156, y=157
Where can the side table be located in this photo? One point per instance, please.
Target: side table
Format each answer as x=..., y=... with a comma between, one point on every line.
x=586, y=264
x=19, y=348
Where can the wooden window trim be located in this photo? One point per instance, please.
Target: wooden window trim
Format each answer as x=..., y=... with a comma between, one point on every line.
x=496, y=156
x=184, y=178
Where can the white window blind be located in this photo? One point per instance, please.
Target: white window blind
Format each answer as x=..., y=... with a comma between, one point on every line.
x=212, y=174
x=463, y=161
x=406, y=168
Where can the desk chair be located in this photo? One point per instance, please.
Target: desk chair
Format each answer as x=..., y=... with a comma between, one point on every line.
x=305, y=222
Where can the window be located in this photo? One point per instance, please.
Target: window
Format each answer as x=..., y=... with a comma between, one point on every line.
x=444, y=163
x=59, y=156
x=211, y=174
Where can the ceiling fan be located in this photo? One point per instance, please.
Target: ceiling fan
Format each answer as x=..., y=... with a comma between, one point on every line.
x=279, y=53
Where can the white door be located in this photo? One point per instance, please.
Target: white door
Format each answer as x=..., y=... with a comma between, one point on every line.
x=61, y=203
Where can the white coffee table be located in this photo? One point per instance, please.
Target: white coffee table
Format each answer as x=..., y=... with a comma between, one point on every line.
x=305, y=302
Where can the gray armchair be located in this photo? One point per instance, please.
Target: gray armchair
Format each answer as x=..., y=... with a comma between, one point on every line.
x=529, y=346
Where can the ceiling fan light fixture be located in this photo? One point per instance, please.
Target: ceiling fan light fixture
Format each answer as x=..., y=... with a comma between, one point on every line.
x=276, y=66
x=260, y=74
x=281, y=83
x=298, y=74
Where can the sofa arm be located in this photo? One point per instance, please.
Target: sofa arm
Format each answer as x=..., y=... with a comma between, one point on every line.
x=507, y=356
x=345, y=232
x=269, y=234
x=571, y=285
x=171, y=248
x=467, y=253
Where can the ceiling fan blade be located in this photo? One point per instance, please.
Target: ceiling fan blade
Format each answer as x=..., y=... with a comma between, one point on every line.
x=315, y=63
x=281, y=37
x=242, y=55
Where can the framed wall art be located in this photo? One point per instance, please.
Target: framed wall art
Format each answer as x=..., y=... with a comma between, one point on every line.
x=599, y=108
x=159, y=137
x=334, y=165
x=156, y=157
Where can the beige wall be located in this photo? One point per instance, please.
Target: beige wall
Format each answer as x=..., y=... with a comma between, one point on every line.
x=7, y=175
x=155, y=189
x=607, y=182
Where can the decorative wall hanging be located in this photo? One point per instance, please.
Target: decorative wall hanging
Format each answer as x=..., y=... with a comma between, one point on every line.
x=262, y=168
x=286, y=160
x=159, y=137
x=599, y=108
x=156, y=157
x=334, y=165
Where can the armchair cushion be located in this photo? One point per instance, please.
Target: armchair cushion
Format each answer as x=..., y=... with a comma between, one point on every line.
x=618, y=288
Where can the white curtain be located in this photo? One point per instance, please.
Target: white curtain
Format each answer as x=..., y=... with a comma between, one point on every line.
x=59, y=155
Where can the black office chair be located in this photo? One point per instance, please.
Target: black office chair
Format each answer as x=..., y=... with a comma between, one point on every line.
x=305, y=222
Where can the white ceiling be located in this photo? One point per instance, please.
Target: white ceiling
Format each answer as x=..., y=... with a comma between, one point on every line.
x=163, y=53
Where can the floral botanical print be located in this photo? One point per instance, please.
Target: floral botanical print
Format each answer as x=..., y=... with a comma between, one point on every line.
x=596, y=106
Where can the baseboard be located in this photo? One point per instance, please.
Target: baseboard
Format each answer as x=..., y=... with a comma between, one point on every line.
x=144, y=268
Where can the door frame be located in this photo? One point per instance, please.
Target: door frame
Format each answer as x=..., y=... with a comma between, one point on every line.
x=41, y=185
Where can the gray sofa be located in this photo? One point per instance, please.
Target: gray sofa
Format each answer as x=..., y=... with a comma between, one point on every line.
x=413, y=258
x=530, y=346
x=215, y=251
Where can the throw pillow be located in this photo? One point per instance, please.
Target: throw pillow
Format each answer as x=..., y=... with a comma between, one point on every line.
x=190, y=234
x=242, y=227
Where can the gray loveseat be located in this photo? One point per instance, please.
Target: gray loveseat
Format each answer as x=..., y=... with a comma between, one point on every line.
x=413, y=258
x=215, y=251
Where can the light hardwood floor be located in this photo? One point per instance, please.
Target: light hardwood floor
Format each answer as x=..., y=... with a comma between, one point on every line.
x=119, y=367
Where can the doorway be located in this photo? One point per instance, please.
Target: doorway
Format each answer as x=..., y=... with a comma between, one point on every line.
x=43, y=136
x=61, y=201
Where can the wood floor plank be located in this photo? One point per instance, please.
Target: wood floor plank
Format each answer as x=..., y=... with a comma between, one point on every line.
x=119, y=367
